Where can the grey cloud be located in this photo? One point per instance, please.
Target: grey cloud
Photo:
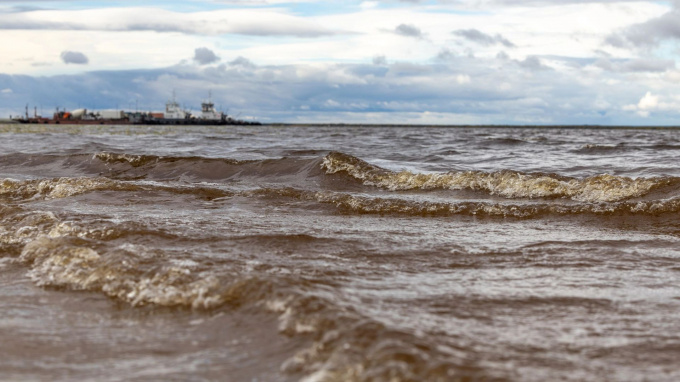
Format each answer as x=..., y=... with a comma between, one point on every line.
x=532, y=63
x=483, y=39
x=635, y=66
x=379, y=60
x=641, y=65
x=445, y=54
x=646, y=65
x=368, y=71
x=649, y=33
x=242, y=62
x=77, y=58
x=408, y=31
x=205, y=56
x=602, y=53
x=617, y=41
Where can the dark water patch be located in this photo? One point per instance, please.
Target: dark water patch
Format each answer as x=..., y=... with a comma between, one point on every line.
x=664, y=146
x=488, y=309
x=448, y=152
x=135, y=167
x=506, y=141
x=210, y=169
x=303, y=153
x=221, y=138
x=599, y=149
x=283, y=240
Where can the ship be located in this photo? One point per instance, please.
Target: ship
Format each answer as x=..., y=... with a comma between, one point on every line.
x=173, y=115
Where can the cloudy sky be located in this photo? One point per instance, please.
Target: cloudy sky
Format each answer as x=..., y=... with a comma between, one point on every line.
x=386, y=61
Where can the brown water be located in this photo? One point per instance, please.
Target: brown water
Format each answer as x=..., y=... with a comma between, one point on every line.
x=339, y=254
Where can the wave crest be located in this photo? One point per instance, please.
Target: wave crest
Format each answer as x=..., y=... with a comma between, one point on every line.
x=70, y=263
x=509, y=184
x=56, y=188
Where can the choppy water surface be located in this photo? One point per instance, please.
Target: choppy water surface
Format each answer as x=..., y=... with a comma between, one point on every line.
x=339, y=254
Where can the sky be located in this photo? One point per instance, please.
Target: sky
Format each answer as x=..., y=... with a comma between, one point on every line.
x=485, y=62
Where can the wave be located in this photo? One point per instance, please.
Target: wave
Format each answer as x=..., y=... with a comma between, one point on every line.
x=346, y=346
x=142, y=160
x=102, y=171
x=594, y=149
x=505, y=141
x=665, y=146
x=57, y=188
x=125, y=166
x=359, y=204
x=70, y=263
x=347, y=203
x=509, y=184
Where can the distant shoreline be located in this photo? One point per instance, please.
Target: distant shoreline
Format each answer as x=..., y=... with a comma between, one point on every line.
x=5, y=121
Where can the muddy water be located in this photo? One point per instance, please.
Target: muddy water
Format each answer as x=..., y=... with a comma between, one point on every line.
x=339, y=254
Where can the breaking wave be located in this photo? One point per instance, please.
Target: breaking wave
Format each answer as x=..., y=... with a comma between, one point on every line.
x=509, y=184
x=104, y=171
x=346, y=346
x=57, y=188
x=346, y=203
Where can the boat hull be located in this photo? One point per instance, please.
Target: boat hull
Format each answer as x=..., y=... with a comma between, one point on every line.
x=177, y=122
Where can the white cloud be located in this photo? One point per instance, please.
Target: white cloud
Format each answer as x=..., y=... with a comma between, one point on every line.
x=651, y=103
x=648, y=102
x=6, y=91
x=463, y=79
x=369, y=4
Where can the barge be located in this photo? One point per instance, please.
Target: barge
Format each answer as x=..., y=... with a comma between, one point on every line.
x=173, y=115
